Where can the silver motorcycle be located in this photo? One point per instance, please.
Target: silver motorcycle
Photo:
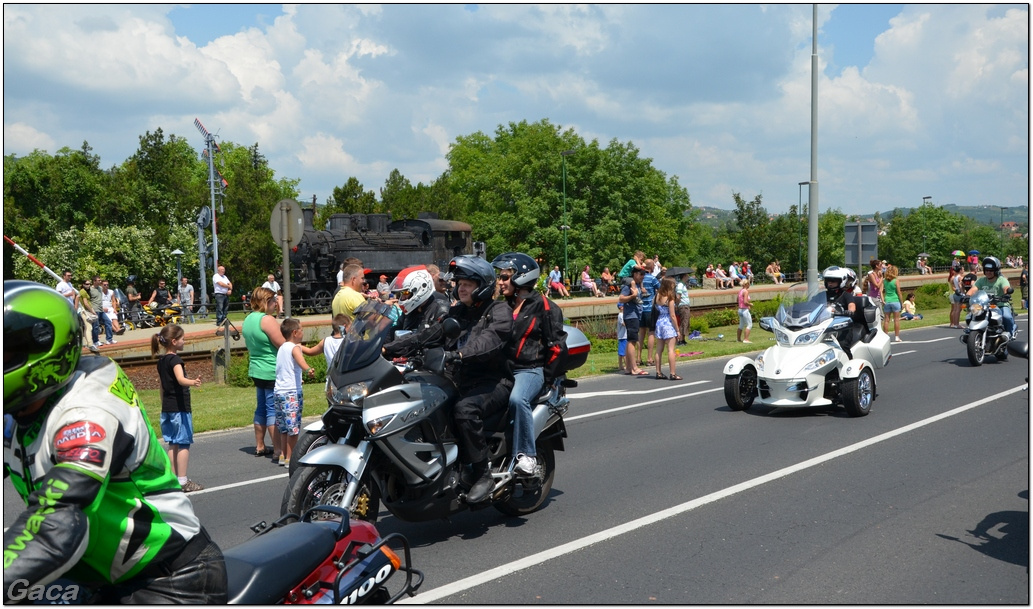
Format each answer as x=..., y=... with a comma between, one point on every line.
x=390, y=438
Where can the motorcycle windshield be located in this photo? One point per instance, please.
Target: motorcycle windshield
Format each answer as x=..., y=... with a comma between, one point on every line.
x=802, y=309
x=370, y=328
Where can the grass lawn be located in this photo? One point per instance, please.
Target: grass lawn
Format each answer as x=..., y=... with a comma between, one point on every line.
x=224, y=407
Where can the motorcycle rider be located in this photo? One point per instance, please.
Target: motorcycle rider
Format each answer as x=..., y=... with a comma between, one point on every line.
x=480, y=370
x=535, y=342
x=414, y=288
x=839, y=291
x=103, y=503
x=995, y=284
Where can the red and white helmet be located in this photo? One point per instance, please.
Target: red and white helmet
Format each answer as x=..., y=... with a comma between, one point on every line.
x=413, y=287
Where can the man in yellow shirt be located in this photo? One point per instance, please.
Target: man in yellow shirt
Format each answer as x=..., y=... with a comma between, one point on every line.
x=350, y=296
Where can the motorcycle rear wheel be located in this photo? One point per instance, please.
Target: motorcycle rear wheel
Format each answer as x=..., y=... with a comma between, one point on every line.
x=311, y=486
x=976, y=348
x=741, y=389
x=525, y=499
x=307, y=441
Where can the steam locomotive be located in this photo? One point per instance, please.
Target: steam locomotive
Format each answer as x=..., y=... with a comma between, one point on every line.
x=384, y=247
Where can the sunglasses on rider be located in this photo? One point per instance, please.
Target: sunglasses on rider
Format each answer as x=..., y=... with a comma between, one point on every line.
x=505, y=276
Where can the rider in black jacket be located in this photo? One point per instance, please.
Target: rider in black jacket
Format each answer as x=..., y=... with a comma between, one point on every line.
x=478, y=358
x=536, y=340
x=414, y=288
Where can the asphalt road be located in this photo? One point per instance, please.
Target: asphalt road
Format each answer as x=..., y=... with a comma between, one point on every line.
x=664, y=495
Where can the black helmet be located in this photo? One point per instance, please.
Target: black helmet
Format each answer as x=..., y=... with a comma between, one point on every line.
x=992, y=264
x=476, y=269
x=838, y=280
x=525, y=269
x=131, y=279
x=42, y=343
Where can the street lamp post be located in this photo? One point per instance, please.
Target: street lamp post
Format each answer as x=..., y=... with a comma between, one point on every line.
x=799, y=242
x=565, y=227
x=179, y=266
x=925, y=200
x=1001, y=227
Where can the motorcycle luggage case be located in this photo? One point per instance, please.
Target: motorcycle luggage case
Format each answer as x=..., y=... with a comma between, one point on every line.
x=577, y=347
x=877, y=352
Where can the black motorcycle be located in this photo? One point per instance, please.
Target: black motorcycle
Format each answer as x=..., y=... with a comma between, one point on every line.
x=984, y=327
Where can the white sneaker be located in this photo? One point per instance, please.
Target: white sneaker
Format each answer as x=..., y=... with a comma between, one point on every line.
x=897, y=340
x=101, y=343
x=112, y=341
x=525, y=465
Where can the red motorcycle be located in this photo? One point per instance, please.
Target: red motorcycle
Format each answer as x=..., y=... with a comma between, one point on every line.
x=300, y=561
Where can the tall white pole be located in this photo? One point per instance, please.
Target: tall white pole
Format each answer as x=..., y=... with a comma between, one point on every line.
x=812, y=200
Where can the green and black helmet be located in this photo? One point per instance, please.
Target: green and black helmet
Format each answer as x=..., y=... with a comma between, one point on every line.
x=42, y=343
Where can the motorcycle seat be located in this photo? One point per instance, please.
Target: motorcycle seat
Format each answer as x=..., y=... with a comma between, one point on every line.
x=263, y=569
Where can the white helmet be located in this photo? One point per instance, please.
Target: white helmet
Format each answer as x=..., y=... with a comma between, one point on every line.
x=413, y=287
x=839, y=280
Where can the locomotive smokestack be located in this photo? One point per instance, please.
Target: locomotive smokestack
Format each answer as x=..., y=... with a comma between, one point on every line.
x=308, y=214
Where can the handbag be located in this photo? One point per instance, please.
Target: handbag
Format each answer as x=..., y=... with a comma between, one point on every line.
x=90, y=317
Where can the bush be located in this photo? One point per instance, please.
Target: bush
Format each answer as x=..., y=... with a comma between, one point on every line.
x=723, y=317
x=699, y=323
x=238, y=376
x=932, y=296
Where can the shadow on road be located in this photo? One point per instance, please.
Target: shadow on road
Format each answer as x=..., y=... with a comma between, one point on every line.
x=1002, y=535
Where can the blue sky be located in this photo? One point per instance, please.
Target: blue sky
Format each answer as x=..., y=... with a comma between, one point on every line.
x=915, y=100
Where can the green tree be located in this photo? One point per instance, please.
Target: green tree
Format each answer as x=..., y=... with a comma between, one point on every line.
x=246, y=245
x=511, y=190
x=44, y=195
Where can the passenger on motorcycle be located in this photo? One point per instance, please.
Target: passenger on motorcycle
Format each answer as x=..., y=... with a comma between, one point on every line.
x=104, y=504
x=995, y=284
x=414, y=288
x=839, y=290
x=535, y=341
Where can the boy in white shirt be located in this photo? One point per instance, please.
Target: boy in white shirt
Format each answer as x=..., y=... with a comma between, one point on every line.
x=287, y=391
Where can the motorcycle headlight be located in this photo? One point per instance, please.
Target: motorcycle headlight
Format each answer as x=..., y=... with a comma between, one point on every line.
x=782, y=338
x=975, y=309
x=760, y=362
x=820, y=361
x=810, y=337
x=375, y=425
x=354, y=393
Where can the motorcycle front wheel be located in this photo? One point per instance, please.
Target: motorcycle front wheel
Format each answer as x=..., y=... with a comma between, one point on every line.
x=308, y=441
x=311, y=486
x=741, y=389
x=859, y=393
x=976, y=348
x=525, y=498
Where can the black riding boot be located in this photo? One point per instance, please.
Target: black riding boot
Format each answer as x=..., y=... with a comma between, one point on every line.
x=483, y=485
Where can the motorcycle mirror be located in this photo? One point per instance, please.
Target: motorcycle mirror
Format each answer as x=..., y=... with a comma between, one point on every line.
x=451, y=328
x=765, y=323
x=434, y=360
x=1019, y=348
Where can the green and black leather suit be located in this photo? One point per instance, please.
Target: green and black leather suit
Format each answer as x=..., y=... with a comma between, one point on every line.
x=103, y=505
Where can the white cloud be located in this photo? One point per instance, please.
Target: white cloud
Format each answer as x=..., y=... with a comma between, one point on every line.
x=19, y=136
x=716, y=94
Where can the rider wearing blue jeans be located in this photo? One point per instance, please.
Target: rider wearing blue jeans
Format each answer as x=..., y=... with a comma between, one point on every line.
x=535, y=340
x=995, y=284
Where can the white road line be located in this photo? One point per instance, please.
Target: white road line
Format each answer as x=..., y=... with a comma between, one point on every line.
x=535, y=559
x=905, y=352
x=223, y=487
x=595, y=394
x=931, y=340
x=649, y=403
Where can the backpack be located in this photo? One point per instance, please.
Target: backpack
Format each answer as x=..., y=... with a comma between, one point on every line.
x=556, y=341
